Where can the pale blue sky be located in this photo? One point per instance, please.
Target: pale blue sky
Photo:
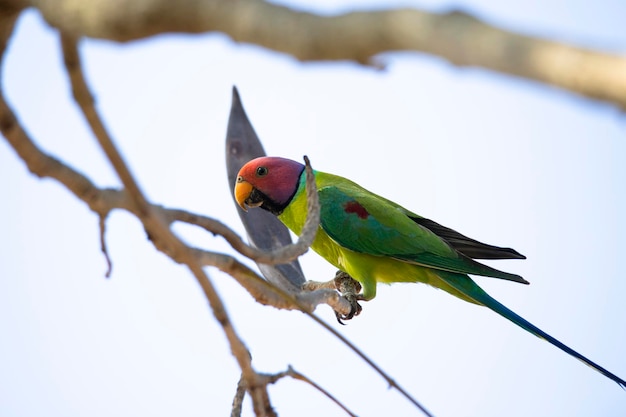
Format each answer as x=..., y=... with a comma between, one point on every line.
x=502, y=160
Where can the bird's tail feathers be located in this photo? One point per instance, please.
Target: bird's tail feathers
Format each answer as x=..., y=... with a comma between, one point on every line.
x=469, y=288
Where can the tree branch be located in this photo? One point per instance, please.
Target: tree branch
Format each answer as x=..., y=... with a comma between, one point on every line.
x=102, y=201
x=457, y=37
x=240, y=393
x=290, y=372
x=108, y=199
x=157, y=221
x=159, y=230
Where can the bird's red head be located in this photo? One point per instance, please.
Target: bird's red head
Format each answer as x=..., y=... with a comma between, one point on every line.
x=268, y=182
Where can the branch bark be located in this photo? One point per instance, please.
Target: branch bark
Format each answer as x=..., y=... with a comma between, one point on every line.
x=457, y=37
x=104, y=200
x=154, y=218
x=159, y=230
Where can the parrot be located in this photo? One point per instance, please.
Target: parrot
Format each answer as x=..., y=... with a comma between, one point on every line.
x=375, y=240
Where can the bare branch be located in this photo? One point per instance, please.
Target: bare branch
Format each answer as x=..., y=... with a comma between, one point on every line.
x=102, y=201
x=265, y=292
x=267, y=379
x=345, y=307
x=311, y=224
x=457, y=37
x=317, y=285
x=103, y=246
x=108, y=199
x=84, y=99
x=154, y=219
x=240, y=393
x=158, y=229
x=271, y=379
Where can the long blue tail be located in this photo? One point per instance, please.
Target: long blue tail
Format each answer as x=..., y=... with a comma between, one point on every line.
x=468, y=287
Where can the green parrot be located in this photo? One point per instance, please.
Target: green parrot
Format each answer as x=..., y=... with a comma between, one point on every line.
x=373, y=239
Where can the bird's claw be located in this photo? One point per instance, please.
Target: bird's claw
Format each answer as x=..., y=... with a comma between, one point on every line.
x=355, y=308
x=349, y=289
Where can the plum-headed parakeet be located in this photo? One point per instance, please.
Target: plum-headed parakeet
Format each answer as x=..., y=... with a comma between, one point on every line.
x=375, y=240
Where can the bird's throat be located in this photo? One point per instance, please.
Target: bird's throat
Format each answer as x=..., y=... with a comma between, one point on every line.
x=259, y=199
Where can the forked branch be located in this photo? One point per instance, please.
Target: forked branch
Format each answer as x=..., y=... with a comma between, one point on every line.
x=157, y=222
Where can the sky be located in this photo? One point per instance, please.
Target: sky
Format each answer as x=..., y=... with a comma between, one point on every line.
x=503, y=160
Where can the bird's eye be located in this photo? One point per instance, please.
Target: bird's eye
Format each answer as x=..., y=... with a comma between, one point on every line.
x=261, y=171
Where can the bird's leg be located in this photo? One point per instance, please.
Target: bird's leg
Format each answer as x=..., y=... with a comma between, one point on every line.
x=350, y=289
x=347, y=286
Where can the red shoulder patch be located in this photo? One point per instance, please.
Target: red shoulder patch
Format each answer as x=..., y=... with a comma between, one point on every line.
x=356, y=208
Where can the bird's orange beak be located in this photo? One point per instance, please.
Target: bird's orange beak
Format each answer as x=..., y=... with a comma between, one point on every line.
x=243, y=189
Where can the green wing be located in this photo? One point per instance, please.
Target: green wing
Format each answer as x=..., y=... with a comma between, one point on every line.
x=365, y=222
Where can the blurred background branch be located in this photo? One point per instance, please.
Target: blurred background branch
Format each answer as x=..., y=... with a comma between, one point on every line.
x=359, y=36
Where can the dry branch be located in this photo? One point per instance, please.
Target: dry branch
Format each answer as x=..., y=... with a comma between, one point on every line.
x=102, y=201
x=457, y=37
x=290, y=372
x=105, y=200
x=157, y=221
x=240, y=393
x=159, y=230
x=154, y=218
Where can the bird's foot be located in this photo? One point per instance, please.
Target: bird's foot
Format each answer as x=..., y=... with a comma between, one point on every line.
x=355, y=308
x=349, y=289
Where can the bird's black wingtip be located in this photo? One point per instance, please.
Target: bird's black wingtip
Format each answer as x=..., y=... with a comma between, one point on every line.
x=519, y=279
x=514, y=254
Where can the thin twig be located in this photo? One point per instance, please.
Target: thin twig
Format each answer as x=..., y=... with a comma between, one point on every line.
x=319, y=285
x=103, y=246
x=311, y=224
x=290, y=372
